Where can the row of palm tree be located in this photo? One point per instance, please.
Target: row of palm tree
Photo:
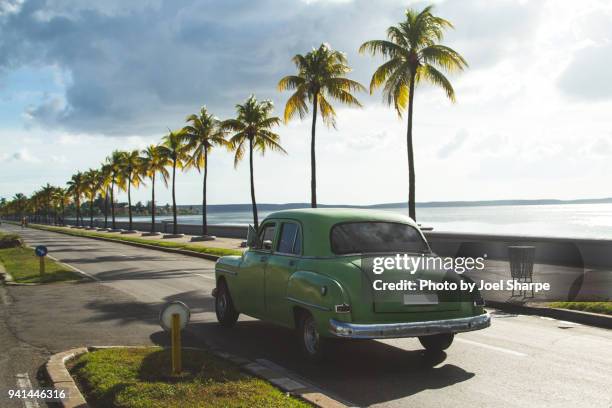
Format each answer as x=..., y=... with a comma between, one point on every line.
x=412, y=53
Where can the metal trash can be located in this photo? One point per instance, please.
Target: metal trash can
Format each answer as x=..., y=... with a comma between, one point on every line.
x=521, y=265
x=165, y=226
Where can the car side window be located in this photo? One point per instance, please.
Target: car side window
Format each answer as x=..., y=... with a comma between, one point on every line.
x=266, y=236
x=289, y=236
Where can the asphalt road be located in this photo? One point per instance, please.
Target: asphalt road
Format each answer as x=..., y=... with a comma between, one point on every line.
x=519, y=361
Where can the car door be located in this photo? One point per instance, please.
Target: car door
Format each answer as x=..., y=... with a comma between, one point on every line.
x=252, y=273
x=281, y=265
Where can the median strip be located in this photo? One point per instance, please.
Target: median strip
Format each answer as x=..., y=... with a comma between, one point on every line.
x=174, y=247
x=140, y=376
x=21, y=267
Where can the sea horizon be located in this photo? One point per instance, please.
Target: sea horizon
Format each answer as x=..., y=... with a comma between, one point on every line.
x=548, y=220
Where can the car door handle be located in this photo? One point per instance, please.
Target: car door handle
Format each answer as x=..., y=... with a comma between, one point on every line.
x=263, y=259
x=291, y=263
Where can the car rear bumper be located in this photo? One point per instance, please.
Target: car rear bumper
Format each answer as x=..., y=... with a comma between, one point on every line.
x=410, y=329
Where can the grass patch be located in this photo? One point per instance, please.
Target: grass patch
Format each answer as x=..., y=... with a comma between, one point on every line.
x=23, y=266
x=139, y=377
x=593, y=307
x=153, y=242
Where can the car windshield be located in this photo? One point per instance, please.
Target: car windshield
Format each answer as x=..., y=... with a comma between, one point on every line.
x=373, y=237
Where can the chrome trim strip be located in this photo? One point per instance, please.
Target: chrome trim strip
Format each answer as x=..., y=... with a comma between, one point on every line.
x=410, y=329
x=301, y=302
x=226, y=271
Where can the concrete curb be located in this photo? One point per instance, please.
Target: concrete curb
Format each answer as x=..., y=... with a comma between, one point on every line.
x=7, y=279
x=140, y=245
x=60, y=378
x=576, y=316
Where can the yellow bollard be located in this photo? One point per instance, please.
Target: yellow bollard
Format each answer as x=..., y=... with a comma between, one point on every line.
x=42, y=265
x=176, y=344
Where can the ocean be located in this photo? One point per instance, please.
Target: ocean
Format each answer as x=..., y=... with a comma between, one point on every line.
x=559, y=220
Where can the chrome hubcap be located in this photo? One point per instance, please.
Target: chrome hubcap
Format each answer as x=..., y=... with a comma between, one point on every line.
x=311, y=337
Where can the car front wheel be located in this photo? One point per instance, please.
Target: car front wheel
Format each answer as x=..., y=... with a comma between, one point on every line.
x=224, y=306
x=313, y=345
x=437, y=342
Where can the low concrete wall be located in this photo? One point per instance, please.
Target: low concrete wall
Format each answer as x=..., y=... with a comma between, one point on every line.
x=587, y=253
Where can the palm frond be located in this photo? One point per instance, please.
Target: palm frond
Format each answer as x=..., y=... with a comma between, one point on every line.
x=444, y=57
x=327, y=111
x=383, y=47
x=437, y=78
x=290, y=82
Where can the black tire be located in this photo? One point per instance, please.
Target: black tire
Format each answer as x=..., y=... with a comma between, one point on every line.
x=312, y=345
x=227, y=315
x=437, y=342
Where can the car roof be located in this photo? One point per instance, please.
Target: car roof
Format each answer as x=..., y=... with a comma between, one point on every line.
x=317, y=223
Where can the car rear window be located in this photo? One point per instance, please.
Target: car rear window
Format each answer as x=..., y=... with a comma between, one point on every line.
x=372, y=237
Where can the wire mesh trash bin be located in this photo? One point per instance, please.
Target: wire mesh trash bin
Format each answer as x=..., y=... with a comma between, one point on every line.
x=521, y=265
x=165, y=226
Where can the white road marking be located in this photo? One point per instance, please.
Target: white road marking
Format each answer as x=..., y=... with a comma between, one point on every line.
x=487, y=346
x=74, y=268
x=23, y=382
x=206, y=276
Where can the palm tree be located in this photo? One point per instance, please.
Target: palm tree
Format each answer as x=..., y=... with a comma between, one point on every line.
x=204, y=132
x=114, y=163
x=4, y=206
x=76, y=186
x=320, y=77
x=21, y=202
x=93, y=183
x=173, y=149
x=46, y=195
x=131, y=175
x=105, y=173
x=62, y=196
x=252, y=126
x=414, y=55
x=154, y=162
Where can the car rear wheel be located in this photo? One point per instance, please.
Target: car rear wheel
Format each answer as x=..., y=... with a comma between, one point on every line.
x=312, y=345
x=437, y=342
x=224, y=306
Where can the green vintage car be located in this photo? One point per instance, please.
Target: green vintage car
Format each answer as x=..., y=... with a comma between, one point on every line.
x=311, y=270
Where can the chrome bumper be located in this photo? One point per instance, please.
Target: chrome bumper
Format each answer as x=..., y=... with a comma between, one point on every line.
x=411, y=329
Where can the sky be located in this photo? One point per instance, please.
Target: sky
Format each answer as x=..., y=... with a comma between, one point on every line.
x=533, y=117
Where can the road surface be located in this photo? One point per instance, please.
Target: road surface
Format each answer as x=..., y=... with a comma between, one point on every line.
x=519, y=361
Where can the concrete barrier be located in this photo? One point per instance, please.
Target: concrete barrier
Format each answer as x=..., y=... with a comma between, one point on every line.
x=224, y=231
x=576, y=252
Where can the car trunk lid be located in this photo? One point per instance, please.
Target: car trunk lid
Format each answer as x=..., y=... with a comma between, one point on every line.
x=406, y=299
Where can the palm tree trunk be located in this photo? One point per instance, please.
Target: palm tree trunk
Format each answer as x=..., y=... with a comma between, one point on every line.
x=113, y=203
x=411, y=175
x=204, y=226
x=91, y=200
x=153, y=203
x=78, y=210
x=130, y=201
x=106, y=208
x=174, y=229
x=254, y=204
x=63, y=213
x=313, y=161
